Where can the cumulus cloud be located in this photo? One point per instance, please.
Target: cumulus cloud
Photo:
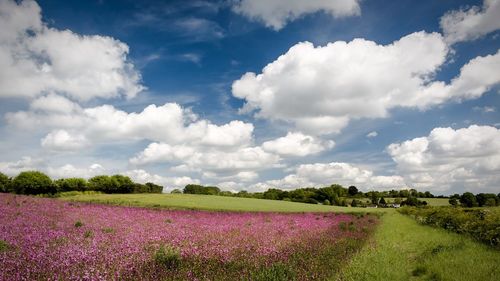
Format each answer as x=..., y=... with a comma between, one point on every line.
x=36, y=59
x=75, y=126
x=276, y=14
x=323, y=174
x=26, y=163
x=451, y=160
x=168, y=183
x=65, y=171
x=196, y=158
x=62, y=140
x=372, y=134
x=69, y=171
x=472, y=23
x=297, y=144
x=320, y=89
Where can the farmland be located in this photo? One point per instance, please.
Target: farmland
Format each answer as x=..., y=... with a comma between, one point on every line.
x=207, y=202
x=47, y=238
x=164, y=236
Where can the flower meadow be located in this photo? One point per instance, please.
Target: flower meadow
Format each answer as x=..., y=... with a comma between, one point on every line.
x=48, y=239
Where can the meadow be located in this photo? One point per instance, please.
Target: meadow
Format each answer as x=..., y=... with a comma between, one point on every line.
x=50, y=239
x=173, y=237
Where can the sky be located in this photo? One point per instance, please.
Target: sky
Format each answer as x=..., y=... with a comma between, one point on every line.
x=254, y=94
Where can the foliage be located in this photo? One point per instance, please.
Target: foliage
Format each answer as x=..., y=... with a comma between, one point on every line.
x=167, y=256
x=352, y=190
x=71, y=184
x=176, y=191
x=4, y=183
x=468, y=200
x=481, y=224
x=33, y=182
x=200, y=189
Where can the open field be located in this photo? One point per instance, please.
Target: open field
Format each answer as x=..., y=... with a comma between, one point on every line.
x=402, y=249
x=210, y=202
x=49, y=239
x=430, y=201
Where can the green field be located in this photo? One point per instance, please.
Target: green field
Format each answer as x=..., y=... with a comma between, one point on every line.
x=401, y=249
x=404, y=250
x=430, y=201
x=210, y=202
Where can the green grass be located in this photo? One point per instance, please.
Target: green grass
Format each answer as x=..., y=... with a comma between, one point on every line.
x=209, y=202
x=402, y=249
x=430, y=201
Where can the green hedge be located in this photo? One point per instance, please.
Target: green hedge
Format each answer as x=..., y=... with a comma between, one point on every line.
x=481, y=224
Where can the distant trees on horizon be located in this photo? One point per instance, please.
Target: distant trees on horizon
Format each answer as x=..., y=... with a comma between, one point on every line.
x=35, y=182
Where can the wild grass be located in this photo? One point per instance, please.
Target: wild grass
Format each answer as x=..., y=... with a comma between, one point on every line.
x=402, y=249
x=210, y=202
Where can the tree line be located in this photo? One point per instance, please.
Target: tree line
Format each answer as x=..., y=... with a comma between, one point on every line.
x=35, y=182
x=338, y=195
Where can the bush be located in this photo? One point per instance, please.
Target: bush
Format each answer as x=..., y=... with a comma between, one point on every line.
x=4, y=183
x=276, y=272
x=168, y=257
x=71, y=184
x=481, y=224
x=33, y=182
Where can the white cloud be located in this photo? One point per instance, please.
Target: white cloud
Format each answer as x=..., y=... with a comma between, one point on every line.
x=198, y=158
x=320, y=89
x=472, y=23
x=70, y=171
x=36, y=59
x=62, y=140
x=451, y=160
x=324, y=174
x=372, y=134
x=276, y=14
x=25, y=164
x=168, y=183
x=167, y=123
x=484, y=109
x=297, y=144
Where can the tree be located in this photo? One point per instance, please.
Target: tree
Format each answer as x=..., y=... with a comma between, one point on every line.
x=103, y=183
x=355, y=203
x=468, y=200
x=33, y=182
x=71, y=184
x=382, y=201
x=176, y=191
x=352, y=190
x=453, y=202
x=4, y=183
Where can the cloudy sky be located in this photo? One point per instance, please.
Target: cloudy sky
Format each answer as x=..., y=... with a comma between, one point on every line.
x=252, y=94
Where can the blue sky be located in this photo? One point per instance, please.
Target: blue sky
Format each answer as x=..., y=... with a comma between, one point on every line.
x=377, y=94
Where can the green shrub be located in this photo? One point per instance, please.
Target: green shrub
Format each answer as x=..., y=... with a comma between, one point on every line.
x=4, y=246
x=276, y=272
x=4, y=183
x=481, y=224
x=78, y=224
x=167, y=256
x=33, y=182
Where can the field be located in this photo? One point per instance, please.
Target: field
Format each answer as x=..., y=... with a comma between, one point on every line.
x=402, y=249
x=173, y=241
x=46, y=238
x=209, y=202
x=430, y=201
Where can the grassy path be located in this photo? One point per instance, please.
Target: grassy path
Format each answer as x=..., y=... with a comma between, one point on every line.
x=404, y=250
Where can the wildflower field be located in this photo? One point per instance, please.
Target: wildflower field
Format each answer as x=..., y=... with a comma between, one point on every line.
x=49, y=239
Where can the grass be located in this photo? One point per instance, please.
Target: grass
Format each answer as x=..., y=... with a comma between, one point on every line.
x=402, y=249
x=430, y=201
x=209, y=202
